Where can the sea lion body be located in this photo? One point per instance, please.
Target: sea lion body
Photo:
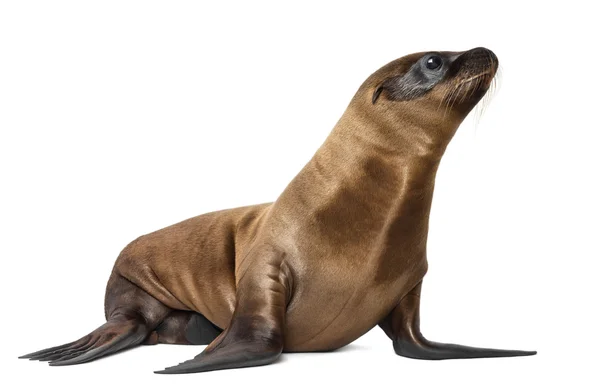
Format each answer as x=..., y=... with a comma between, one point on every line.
x=193, y=265
x=342, y=249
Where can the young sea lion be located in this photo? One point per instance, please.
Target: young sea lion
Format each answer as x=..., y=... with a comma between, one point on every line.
x=341, y=250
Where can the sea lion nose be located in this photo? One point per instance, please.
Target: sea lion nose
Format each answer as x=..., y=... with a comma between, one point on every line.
x=479, y=52
x=482, y=53
x=478, y=58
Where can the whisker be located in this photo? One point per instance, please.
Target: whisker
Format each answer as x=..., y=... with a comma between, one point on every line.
x=487, y=98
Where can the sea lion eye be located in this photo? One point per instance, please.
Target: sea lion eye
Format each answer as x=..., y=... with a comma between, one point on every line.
x=433, y=62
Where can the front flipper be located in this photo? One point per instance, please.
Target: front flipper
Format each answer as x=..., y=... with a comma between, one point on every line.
x=402, y=326
x=255, y=334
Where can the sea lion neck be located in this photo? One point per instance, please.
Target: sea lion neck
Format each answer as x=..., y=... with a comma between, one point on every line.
x=399, y=135
x=364, y=178
x=411, y=129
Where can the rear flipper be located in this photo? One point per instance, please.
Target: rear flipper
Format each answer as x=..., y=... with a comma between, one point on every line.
x=114, y=335
x=184, y=328
x=132, y=315
x=402, y=326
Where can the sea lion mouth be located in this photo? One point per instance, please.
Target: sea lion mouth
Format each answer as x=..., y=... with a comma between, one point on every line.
x=472, y=73
x=481, y=79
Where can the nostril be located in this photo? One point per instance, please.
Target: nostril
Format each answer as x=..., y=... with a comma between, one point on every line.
x=482, y=54
x=477, y=52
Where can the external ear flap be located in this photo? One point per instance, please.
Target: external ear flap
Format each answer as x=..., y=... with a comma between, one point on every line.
x=377, y=93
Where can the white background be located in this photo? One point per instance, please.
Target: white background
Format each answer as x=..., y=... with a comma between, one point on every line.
x=118, y=118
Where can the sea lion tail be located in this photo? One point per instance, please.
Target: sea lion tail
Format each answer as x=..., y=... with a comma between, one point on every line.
x=115, y=335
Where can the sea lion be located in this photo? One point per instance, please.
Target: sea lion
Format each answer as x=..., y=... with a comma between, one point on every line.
x=341, y=250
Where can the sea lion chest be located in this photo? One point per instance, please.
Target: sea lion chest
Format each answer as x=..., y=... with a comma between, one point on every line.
x=335, y=302
x=349, y=275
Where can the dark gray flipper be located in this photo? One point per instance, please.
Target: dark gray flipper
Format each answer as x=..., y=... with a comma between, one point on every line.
x=132, y=315
x=111, y=337
x=402, y=326
x=255, y=335
x=184, y=328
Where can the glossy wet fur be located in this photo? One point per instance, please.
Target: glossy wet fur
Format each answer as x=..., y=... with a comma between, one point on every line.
x=341, y=250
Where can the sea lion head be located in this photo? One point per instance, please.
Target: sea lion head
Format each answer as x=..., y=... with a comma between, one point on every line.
x=439, y=88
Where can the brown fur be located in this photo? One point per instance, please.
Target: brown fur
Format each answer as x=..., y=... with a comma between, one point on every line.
x=339, y=250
